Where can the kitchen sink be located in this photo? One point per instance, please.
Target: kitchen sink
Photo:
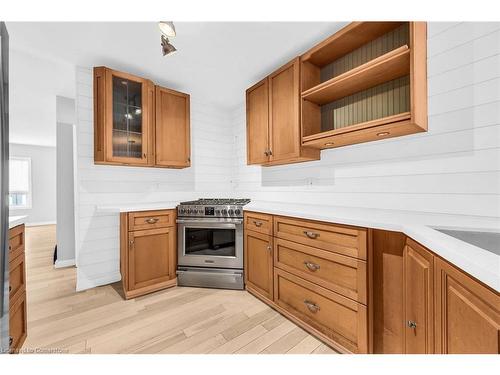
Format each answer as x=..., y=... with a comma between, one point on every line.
x=489, y=241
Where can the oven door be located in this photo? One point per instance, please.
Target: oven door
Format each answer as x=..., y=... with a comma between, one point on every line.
x=214, y=243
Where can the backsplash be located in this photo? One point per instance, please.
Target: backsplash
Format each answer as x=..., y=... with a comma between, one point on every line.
x=453, y=168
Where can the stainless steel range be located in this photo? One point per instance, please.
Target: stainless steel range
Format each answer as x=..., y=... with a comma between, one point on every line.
x=210, y=243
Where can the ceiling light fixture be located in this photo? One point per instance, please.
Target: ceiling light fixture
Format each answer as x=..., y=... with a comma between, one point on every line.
x=166, y=47
x=167, y=28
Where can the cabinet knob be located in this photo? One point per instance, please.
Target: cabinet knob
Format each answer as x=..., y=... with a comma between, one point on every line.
x=266, y=153
x=131, y=242
x=411, y=324
x=269, y=247
x=144, y=156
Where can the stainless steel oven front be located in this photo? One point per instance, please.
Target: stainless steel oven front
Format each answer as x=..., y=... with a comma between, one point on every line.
x=210, y=242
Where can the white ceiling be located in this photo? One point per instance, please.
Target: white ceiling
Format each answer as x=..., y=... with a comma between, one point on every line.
x=216, y=61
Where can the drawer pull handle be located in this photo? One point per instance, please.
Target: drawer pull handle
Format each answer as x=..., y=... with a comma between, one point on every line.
x=311, y=306
x=257, y=223
x=311, y=234
x=11, y=340
x=411, y=324
x=152, y=220
x=312, y=266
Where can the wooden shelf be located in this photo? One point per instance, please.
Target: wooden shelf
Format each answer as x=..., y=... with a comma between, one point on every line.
x=363, y=125
x=346, y=40
x=384, y=68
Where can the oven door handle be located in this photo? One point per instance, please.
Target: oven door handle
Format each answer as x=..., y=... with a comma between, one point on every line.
x=205, y=221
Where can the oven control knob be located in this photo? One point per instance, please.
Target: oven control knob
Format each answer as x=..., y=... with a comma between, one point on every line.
x=181, y=210
x=237, y=212
x=224, y=212
x=231, y=212
x=217, y=212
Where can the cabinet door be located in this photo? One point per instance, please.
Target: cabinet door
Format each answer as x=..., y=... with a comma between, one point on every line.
x=18, y=327
x=258, y=123
x=418, y=296
x=284, y=112
x=127, y=118
x=172, y=129
x=151, y=257
x=467, y=313
x=259, y=263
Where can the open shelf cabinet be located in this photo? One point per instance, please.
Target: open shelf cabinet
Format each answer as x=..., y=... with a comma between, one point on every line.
x=366, y=82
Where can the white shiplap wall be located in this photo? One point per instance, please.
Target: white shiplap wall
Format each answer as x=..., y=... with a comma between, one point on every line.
x=97, y=233
x=453, y=168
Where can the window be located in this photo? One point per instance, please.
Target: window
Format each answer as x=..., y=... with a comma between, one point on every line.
x=19, y=182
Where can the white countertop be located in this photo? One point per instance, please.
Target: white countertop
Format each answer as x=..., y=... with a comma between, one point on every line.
x=14, y=221
x=131, y=207
x=480, y=263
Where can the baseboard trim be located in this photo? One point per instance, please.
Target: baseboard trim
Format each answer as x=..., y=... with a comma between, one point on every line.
x=40, y=223
x=83, y=282
x=64, y=263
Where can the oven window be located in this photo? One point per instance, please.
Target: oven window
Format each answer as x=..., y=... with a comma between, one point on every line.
x=217, y=242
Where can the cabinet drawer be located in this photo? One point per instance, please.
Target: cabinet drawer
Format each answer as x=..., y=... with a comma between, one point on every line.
x=339, y=318
x=339, y=239
x=17, y=323
x=16, y=241
x=261, y=223
x=151, y=219
x=17, y=277
x=338, y=273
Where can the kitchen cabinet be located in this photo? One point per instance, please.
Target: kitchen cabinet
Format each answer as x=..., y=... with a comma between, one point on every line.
x=148, y=251
x=423, y=304
x=258, y=262
x=138, y=124
x=273, y=119
x=418, y=299
x=123, y=118
x=366, y=82
x=172, y=128
x=18, y=325
x=312, y=272
x=467, y=313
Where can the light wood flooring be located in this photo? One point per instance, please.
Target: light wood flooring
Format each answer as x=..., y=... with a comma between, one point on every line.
x=177, y=320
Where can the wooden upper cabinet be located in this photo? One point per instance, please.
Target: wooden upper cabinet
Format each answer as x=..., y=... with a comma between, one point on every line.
x=125, y=111
x=273, y=119
x=284, y=112
x=258, y=123
x=366, y=82
x=418, y=299
x=467, y=313
x=172, y=129
x=122, y=118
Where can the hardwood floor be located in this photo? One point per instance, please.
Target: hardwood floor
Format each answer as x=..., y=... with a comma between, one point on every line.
x=178, y=320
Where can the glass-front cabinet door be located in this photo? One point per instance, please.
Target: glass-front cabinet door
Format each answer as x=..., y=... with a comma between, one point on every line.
x=129, y=118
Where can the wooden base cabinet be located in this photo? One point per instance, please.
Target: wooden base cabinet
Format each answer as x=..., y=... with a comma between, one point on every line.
x=467, y=313
x=418, y=299
x=309, y=279
x=148, y=256
x=18, y=326
x=422, y=304
x=258, y=258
